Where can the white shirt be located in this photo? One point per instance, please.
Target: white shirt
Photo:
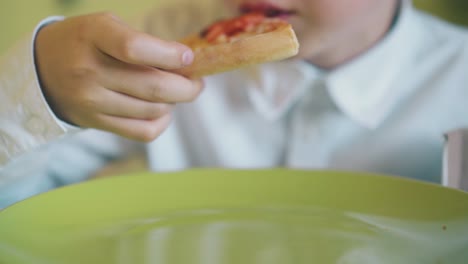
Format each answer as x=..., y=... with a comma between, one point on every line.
x=386, y=111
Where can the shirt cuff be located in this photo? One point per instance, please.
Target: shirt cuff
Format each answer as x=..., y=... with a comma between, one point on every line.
x=66, y=127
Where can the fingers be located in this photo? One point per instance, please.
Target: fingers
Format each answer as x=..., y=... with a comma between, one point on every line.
x=116, y=39
x=141, y=130
x=121, y=105
x=150, y=84
x=107, y=76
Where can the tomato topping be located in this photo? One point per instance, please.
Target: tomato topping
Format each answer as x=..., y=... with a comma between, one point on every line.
x=253, y=18
x=213, y=32
x=230, y=27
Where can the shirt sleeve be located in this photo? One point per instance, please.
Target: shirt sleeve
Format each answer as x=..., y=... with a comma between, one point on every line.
x=38, y=151
x=26, y=121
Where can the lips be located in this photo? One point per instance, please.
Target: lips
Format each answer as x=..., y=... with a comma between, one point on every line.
x=267, y=9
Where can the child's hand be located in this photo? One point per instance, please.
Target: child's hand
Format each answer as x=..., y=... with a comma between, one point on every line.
x=97, y=72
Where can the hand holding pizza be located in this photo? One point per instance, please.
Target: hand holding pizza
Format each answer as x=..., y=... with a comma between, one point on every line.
x=97, y=72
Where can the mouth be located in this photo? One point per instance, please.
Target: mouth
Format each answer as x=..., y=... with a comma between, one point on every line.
x=266, y=9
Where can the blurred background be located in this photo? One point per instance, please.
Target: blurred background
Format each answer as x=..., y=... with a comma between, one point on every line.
x=19, y=17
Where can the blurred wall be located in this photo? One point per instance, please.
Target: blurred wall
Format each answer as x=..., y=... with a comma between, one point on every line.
x=455, y=11
x=18, y=17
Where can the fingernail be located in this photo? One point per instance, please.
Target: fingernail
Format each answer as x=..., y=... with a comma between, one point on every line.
x=187, y=57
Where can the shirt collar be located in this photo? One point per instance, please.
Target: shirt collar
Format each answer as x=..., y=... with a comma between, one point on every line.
x=368, y=96
x=274, y=87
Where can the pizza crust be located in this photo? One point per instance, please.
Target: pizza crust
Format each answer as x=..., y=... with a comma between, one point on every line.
x=278, y=44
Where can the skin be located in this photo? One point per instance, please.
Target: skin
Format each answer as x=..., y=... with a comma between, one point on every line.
x=98, y=72
x=332, y=32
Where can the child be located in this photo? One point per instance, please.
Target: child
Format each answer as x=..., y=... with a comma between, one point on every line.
x=374, y=88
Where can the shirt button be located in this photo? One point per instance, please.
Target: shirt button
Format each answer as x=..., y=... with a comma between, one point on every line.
x=35, y=125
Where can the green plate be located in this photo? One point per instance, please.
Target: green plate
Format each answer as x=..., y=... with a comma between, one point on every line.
x=228, y=216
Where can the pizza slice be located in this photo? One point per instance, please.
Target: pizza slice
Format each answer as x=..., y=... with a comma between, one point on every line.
x=245, y=40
